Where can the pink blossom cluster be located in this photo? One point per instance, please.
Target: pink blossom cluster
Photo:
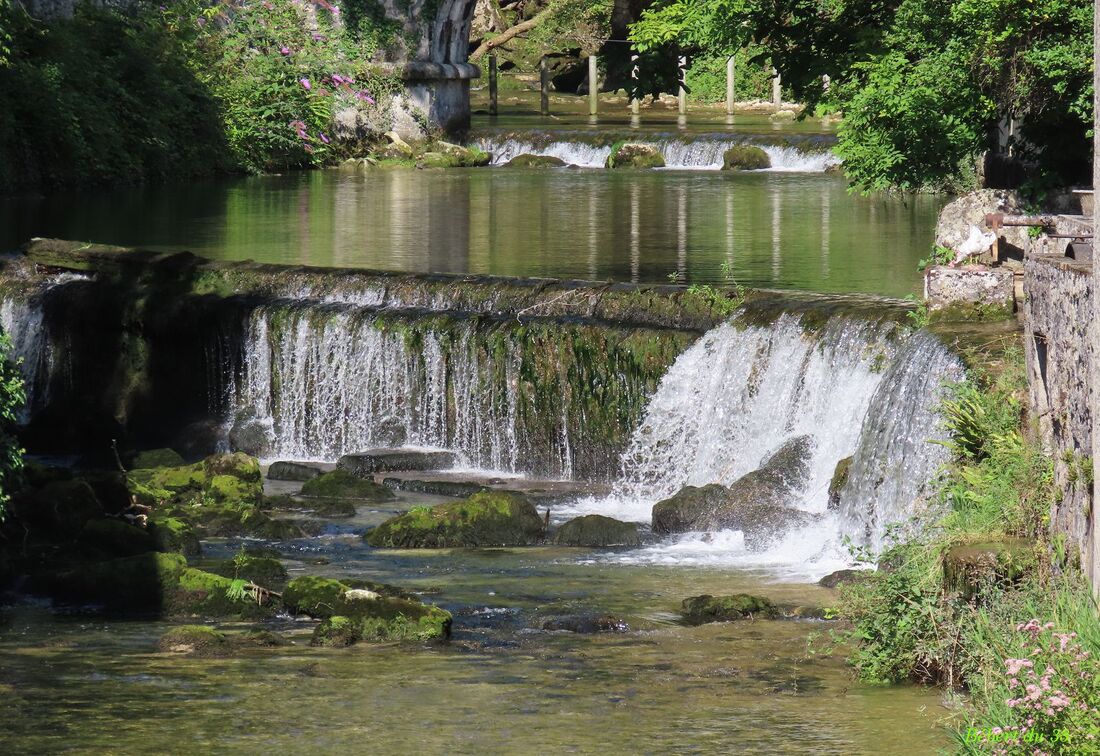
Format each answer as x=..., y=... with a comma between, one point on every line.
x=1049, y=682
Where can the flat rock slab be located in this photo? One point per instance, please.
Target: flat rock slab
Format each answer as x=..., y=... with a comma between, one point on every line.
x=368, y=463
x=542, y=492
x=293, y=471
x=969, y=287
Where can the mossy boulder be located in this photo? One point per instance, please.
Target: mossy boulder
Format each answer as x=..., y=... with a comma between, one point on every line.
x=838, y=481
x=596, y=531
x=445, y=155
x=758, y=504
x=294, y=471
x=341, y=484
x=157, y=458
x=700, y=610
x=336, y=632
x=363, y=614
x=174, y=534
x=535, y=161
x=489, y=518
x=195, y=640
x=745, y=157
x=636, y=156
x=970, y=568
x=200, y=593
x=264, y=571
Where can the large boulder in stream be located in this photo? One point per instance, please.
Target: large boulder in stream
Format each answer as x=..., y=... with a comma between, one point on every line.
x=535, y=161
x=699, y=610
x=486, y=519
x=292, y=471
x=637, y=156
x=757, y=504
x=597, y=531
x=341, y=484
x=745, y=157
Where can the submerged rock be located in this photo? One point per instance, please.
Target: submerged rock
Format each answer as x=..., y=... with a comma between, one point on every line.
x=366, y=464
x=341, y=484
x=195, y=640
x=745, y=157
x=641, y=156
x=489, y=518
x=700, y=610
x=587, y=624
x=535, y=161
x=318, y=506
x=756, y=504
x=597, y=531
x=293, y=471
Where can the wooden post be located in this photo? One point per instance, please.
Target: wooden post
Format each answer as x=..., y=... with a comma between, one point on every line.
x=635, y=103
x=593, y=86
x=730, y=93
x=682, y=94
x=544, y=85
x=777, y=88
x=492, y=85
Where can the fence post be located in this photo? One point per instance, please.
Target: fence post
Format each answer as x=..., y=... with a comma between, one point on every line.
x=492, y=85
x=593, y=86
x=544, y=82
x=730, y=93
x=682, y=95
x=777, y=88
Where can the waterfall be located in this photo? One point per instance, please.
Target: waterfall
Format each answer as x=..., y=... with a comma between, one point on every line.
x=858, y=388
x=897, y=456
x=804, y=155
x=544, y=399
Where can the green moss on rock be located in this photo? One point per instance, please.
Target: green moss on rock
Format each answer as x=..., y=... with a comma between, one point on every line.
x=320, y=507
x=535, y=161
x=336, y=632
x=341, y=484
x=489, y=518
x=745, y=157
x=265, y=571
x=194, y=640
x=174, y=534
x=838, y=481
x=700, y=610
x=636, y=156
x=116, y=537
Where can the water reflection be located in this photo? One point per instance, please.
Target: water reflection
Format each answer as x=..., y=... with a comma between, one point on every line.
x=774, y=230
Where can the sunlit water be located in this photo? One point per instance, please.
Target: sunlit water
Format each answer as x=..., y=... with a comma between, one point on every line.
x=87, y=684
x=780, y=230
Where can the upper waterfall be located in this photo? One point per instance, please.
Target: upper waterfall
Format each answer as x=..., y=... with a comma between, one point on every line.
x=796, y=154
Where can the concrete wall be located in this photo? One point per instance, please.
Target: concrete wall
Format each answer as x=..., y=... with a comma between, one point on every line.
x=1058, y=310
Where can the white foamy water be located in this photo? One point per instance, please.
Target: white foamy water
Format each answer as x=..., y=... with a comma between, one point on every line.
x=699, y=154
x=737, y=395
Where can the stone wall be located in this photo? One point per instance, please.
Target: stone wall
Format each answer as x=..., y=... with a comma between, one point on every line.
x=1058, y=308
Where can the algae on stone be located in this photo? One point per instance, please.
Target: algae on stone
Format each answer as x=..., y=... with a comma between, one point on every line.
x=341, y=484
x=486, y=519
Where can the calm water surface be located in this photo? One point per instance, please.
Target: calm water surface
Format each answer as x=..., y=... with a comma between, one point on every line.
x=795, y=231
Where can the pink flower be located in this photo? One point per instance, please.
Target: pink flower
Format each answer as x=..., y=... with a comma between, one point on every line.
x=305, y=83
x=284, y=50
x=323, y=137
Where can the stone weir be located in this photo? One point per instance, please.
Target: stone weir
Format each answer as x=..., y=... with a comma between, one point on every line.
x=543, y=377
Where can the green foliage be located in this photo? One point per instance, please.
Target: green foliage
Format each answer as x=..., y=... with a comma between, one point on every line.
x=101, y=98
x=919, y=316
x=922, y=83
x=12, y=399
x=939, y=256
x=706, y=76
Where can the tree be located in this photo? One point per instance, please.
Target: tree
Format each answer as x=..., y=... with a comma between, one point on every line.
x=923, y=84
x=12, y=399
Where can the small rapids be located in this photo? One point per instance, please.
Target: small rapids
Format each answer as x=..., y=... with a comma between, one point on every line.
x=702, y=154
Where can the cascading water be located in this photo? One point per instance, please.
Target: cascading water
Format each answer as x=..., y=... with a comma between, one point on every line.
x=685, y=154
x=739, y=394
